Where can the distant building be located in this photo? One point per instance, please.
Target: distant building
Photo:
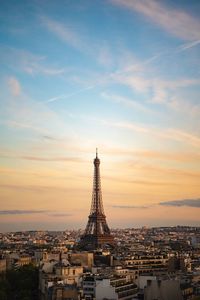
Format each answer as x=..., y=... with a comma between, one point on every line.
x=15, y=260
x=40, y=255
x=179, y=263
x=85, y=259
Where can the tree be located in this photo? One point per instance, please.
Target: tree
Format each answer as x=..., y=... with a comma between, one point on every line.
x=20, y=284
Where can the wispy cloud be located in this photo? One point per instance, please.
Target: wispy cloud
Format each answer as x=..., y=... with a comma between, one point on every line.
x=22, y=212
x=22, y=125
x=37, y=158
x=60, y=215
x=184, y=202
x=160, y=91
x=131, y=206
x=12, y=155
x=74, y=36
x=165, y=133
x=14, y=86
x=30, y=115
x=63, y=32
x=119, y=76
x=176, y=22
x=35, y=212
x=50, y=138
x=168, y=155
x=105, y=56
x=160, y=87
x=30, y=63
x=173, y=173
x=152, y=154
x=182, y=136
x=30, y=188
x=152, y=183
x=140, y=182
x=39, y=188
x=174, y=203
x=126, y=102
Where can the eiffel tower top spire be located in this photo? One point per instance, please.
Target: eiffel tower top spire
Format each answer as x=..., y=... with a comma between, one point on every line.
x=97, y=204
x=97, y=231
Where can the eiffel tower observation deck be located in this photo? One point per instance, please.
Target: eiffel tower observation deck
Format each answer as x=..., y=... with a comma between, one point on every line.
x=97, y=233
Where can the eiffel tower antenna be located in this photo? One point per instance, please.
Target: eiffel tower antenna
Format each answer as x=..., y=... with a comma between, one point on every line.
x=97, y=232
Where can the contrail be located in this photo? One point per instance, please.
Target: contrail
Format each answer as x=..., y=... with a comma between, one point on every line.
x=112, y=75
x=100, y=81
x=188, y=46
x=69, y=95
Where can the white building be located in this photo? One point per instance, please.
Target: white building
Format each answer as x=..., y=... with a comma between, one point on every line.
x=111, y=288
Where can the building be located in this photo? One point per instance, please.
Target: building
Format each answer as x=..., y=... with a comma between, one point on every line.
x=108, y=287
x=147, y=263
x=55, y=278
x=70, y=274
x=162, y=289
x=85, y=259
x=63, y=292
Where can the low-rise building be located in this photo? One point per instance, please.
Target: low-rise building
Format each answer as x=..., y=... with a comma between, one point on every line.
x=112, y=287
x=163, y=289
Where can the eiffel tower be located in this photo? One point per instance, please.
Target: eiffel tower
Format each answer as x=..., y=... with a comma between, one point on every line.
x=97, y=233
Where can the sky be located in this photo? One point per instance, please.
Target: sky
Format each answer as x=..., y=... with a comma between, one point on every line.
x=119, y=75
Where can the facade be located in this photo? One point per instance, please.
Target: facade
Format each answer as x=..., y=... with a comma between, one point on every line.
x=144, y=264
x=88, y=286
x=115, y=288
x=163, y=290
x=15, y=260
x=111, y=287
x=40, y=255
x=59, y=278
x=85, y=259
x=63, y=292
x=69, y=274
x=97, y=233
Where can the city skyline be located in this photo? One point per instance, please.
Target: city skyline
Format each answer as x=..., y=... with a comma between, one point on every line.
x=119, y=75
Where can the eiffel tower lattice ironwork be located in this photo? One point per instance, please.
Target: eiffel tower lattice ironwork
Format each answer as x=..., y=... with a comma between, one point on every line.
x=97, y=232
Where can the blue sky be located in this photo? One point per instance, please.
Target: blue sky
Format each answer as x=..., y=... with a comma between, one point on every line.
x=120, y=75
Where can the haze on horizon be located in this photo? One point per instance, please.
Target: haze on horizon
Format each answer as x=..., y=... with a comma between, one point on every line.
x=120, y=75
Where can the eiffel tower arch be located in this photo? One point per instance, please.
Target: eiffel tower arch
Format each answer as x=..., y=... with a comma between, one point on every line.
x=97, y=233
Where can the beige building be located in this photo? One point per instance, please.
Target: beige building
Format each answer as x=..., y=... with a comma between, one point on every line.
x=61, y=292
x=146, y=264
x=163, y=290
x=69, y=274
x=84, y=259
x=55, y=276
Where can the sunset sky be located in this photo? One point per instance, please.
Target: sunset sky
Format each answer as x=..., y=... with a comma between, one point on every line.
x=120, y=75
